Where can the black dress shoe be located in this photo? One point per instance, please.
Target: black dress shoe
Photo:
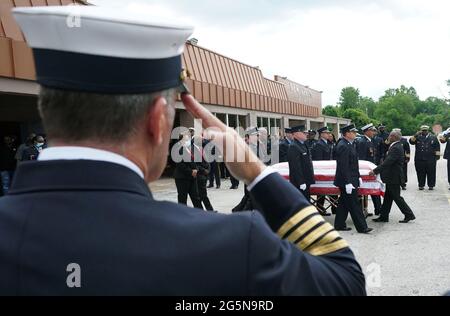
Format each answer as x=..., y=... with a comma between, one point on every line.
x=218, y=187
x=431, y=189
x=421, y=189
x=346, y=229
x=407, y=220
x=404, y=188
x=210, y=186
x=367, y=231
x=381, y=220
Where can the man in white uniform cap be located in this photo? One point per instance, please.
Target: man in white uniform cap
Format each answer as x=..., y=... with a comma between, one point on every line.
x=82, y=220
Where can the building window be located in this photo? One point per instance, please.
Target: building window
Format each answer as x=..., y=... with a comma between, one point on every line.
x=232, y=121
x=242, y=121
x=265, y=123
x=222, y=117
x=272, y=123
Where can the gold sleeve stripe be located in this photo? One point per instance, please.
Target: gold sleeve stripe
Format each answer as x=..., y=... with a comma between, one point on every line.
x=306, y=227
x=315, y=236
x=294, y=221
x=327, y=249
x=328, y=239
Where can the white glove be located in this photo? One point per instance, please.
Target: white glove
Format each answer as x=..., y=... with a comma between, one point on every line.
x=303, y=187
x=361, y=182
x=349, y=188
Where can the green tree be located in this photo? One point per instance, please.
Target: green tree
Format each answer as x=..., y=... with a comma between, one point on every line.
x=396, y=109
x=358, y=117
x=350, y=98
x=368, y=106
x=330, y=110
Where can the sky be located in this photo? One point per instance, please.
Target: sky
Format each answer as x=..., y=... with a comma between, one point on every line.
x=373, y=45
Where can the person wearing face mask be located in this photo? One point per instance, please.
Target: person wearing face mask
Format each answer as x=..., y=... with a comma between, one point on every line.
x=428, y=152
x=7, y=164
x=32, y=152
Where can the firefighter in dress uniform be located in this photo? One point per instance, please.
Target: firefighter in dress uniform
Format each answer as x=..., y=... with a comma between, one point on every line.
x=428, y=152
x=90, y=209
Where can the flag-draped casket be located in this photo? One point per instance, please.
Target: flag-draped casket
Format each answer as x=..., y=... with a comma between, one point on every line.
x=325, y=172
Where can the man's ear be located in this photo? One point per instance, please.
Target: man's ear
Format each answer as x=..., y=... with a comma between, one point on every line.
x=156, y=121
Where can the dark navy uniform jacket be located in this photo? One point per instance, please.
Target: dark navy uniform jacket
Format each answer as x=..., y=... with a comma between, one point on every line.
x=310, y=143
x=406, y=149
x=347, y=170
x=284, y=149
x=447, y=149
x=301, y=169
x=322, y=151
x=102, y=217
x=380, y=149
x=366, y=149
x=427, y=147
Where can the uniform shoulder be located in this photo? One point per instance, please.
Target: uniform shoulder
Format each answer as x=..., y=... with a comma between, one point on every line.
x=233, y=225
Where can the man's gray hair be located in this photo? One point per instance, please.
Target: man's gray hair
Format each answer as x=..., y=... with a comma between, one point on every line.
x=80, y=116
x=396, y=135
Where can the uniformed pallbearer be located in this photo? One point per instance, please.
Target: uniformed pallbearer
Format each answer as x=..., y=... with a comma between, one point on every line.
x=367, y=151
x=82, y=220
x=323, y=151
x=428, y=152
x=284, y=145
x=348, y=180
x=301, y=169
x=311, y=141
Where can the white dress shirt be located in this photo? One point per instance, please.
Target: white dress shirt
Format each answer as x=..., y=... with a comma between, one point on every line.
x=85, y=153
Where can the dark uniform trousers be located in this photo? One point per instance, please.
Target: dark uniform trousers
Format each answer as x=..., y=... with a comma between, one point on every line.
x=427, y=148
x=301, y=169
x=347, y=172
x=349, y=203
x=186, y=184
x=448, y=170
x=322, y=151
x=405, y=173
x=203, y=193
x=214, y=174
x=426, y=172
x=368, y=151
x=102, y=217
x=407, y=149
x=447, y=156
x=189, y=187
